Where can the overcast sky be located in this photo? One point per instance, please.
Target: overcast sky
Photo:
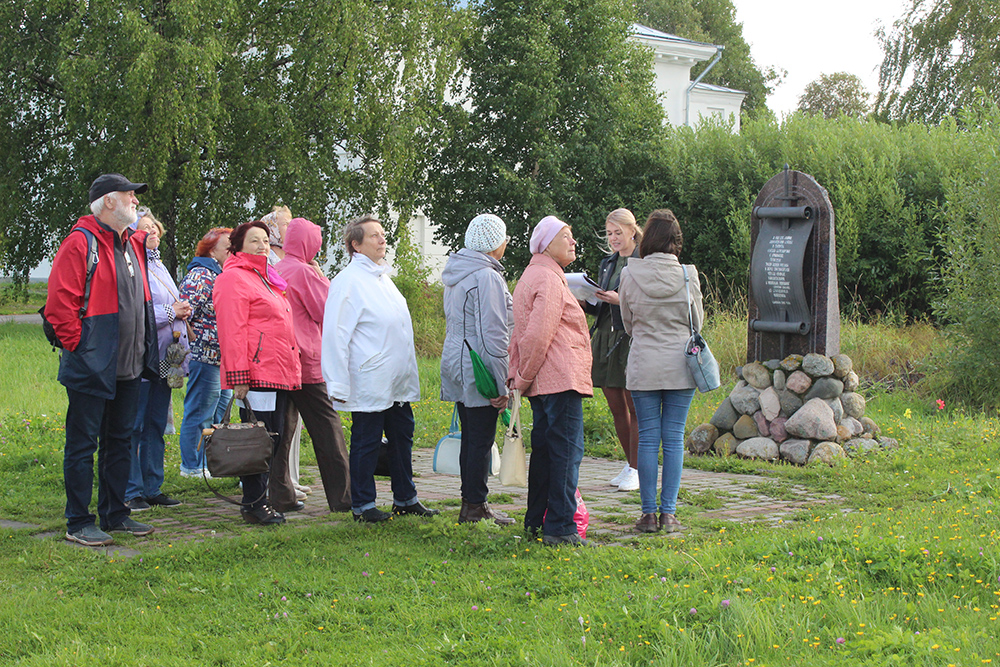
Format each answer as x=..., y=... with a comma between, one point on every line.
x=808, y=38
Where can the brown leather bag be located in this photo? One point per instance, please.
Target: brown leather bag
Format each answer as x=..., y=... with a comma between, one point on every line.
x=235, y=450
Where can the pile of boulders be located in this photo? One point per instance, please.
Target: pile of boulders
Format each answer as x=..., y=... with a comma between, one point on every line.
x=799, y=409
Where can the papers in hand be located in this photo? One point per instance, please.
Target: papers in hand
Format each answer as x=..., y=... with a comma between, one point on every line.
x=582, y=287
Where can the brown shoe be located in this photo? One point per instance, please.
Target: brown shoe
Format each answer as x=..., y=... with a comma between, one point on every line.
x=647, y=524
x=669, y=523
x=473, y=512
x=465, y=513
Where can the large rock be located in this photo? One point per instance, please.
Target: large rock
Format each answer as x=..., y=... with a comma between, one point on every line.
x=761, y=421
x=770, y=404
x=777, y=429
x=869, y=425
x=792, y=362
x=854, y=404
x=796, y=451
x=725, y=416
x=843, y=433
x=826, y=452
x=772, y=364
x=745, y=427
x=814, y=420
x=825, y=387
x=778, y=379
x=702, y=438
x=859, y=446
x=746, y=400
x=853, y=424
x=725, y=445
x=757, y=375
x=798, y=382
x=758, y=448
x=817, y=365
x=851, y=381
x=789, y=403
x=838, y=409
x=842, y=365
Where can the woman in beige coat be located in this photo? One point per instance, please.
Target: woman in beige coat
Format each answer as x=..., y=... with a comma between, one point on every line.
x=654, y=302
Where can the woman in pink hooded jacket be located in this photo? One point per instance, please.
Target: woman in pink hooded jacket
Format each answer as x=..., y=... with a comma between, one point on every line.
x=307, y=291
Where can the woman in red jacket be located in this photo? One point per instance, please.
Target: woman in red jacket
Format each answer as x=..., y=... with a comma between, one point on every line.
x=260, y=359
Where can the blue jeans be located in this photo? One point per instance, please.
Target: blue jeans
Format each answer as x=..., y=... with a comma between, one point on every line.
x=366, y=440
x=554, y=470
x=146, y=476
x=105, y=426
x=204, y=404
x=662, y=416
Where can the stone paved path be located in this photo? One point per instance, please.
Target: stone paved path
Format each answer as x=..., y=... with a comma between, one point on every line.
x=716, y=497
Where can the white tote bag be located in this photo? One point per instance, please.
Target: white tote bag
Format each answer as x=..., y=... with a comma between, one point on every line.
x=446, y=453
x=513, y=469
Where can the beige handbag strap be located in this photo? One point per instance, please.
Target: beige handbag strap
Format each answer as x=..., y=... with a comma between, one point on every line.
x=515, y=414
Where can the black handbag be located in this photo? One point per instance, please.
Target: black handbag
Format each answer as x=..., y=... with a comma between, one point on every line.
x=237, y=450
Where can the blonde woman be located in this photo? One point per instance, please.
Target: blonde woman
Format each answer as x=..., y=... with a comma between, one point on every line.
x=610, y=343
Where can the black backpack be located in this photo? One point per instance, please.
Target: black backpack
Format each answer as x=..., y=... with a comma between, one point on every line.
x=92, y=260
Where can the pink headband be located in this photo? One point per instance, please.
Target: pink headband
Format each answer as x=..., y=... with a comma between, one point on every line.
x=544, y=232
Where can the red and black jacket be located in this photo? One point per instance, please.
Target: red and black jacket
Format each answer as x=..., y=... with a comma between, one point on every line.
x=89, y=362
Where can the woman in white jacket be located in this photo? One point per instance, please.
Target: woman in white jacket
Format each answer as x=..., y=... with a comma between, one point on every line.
x=370, y=368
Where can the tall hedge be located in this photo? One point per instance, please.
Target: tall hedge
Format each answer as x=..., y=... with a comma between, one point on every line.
x=887, y=184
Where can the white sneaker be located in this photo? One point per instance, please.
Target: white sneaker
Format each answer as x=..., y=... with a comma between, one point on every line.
x=299, y=495
x=631, y=481
x=195, y=473
x=617, y=479
x=302, y=489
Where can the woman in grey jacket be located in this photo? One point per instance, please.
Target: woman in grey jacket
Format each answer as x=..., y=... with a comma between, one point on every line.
x=654, y=306
x=478, y=313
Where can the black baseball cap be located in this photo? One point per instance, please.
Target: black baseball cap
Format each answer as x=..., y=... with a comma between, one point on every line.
x=108, y=183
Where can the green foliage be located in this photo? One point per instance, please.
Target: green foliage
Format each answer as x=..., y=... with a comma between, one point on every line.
x=558, y=117
x=938, y=57
x=886, y=183
x=220, y=106
x=424, y=299
x=714, y=21
x=837, y=94
x=967, y=366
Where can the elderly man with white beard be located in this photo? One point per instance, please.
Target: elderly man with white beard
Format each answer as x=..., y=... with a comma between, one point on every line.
x=99, y=307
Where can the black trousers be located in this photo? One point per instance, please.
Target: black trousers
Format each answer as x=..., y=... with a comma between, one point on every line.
x=255, y=486
x=479, y=430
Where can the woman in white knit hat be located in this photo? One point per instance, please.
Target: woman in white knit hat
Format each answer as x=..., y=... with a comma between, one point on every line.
x=478, y=313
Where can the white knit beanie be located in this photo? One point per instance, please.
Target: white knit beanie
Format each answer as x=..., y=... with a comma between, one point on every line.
x=486, y=233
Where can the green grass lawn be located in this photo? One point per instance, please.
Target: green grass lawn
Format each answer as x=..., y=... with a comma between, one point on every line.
x=905, y=571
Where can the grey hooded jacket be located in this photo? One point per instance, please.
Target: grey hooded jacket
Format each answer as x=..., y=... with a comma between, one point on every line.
x=655, y=313
x=477, y=308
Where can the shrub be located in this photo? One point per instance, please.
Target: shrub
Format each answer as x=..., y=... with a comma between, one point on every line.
x=966, y=366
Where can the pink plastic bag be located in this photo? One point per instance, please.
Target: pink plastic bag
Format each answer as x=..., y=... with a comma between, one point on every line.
x=581, y=517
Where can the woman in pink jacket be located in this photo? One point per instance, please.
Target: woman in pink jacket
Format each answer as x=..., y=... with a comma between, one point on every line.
x=550, y=364
x=307, y=291
x=257, y=342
